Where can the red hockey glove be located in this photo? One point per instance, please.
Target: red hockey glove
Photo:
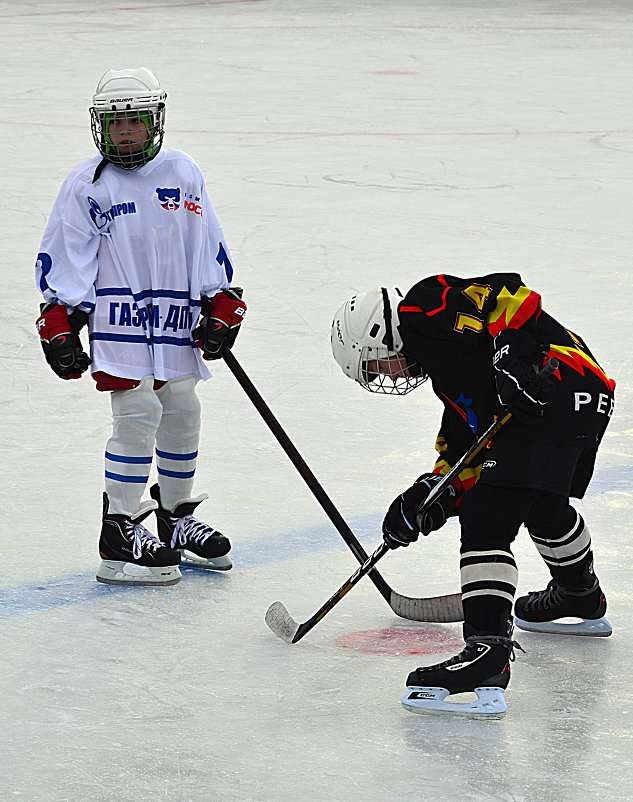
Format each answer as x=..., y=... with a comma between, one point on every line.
x=59, y=335
x=220, y=322
x=404, y=521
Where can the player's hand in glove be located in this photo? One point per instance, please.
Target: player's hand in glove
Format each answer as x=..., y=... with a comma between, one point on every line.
x=59, y=335
x=405, y=520
x=220, y=322
x=521, y=384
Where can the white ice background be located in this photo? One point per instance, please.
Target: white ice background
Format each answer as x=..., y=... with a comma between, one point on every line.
x=346, y=144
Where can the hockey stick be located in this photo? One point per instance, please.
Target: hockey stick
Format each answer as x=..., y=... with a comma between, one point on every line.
x=283, y=624
x=438, y=609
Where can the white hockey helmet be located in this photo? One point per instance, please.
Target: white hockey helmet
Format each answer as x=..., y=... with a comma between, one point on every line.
x=136, y=95
x=367, y=345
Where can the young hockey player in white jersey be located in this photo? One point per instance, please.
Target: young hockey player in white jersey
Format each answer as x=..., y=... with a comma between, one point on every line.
x=133, y=247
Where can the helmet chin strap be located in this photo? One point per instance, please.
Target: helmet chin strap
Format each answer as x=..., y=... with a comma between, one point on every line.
x=386, y=305
x=415, y=369
x=100, y=168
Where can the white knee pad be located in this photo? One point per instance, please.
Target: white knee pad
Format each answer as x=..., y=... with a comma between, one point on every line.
x=177, y=439
x=136, y=416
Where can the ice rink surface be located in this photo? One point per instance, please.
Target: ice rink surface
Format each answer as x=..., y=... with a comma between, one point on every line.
x=346, y=144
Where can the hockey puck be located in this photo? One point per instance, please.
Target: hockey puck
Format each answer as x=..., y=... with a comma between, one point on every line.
x=400, y=640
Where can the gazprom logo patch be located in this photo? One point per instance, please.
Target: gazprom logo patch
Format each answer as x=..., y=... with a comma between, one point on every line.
x=101, y=218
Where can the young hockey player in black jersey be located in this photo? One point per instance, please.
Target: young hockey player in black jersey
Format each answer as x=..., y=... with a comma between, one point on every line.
x=483, y=343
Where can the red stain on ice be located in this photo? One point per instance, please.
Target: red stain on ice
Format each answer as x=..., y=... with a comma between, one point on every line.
x=400, y=640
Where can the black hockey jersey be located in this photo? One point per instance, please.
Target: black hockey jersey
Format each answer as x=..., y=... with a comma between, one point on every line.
x=448, y=325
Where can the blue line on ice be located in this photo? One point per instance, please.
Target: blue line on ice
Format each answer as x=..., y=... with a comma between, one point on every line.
x=80, y=588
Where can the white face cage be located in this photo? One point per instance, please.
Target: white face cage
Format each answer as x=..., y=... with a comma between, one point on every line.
x=382, y=371
x=367, y=345
x=128, y=117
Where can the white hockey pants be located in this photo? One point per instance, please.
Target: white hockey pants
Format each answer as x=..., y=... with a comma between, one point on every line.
x=144, y=419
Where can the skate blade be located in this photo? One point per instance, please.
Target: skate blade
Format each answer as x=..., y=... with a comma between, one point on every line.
x=115, y=572
x=212, y=564
x=489, y=704
x=598, y=628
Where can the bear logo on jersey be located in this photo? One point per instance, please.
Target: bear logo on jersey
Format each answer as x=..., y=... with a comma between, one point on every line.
x=169, y=198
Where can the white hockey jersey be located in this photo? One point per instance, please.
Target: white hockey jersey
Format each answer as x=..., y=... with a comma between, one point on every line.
x=136, y=249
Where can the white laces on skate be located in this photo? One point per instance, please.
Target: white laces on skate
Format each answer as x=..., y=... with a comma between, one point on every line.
x=189, y=530
x=142, y=540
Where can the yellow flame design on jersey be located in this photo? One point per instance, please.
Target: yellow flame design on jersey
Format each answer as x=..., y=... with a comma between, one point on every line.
x=579, y=360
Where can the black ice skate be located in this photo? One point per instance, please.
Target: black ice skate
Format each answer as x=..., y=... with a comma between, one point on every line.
x=542, y=611
x=483, y=667
x=131, y=555
x=199, y=544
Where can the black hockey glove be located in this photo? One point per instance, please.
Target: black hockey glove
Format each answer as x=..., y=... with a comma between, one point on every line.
x=521, y=385
x=59, y=335
x=405, y=520
x=220, y=323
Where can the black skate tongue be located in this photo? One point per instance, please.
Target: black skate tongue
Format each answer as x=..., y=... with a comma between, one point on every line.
x=185, y=509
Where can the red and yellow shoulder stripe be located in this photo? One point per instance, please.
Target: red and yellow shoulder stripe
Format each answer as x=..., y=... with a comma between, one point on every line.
x=513, y=309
